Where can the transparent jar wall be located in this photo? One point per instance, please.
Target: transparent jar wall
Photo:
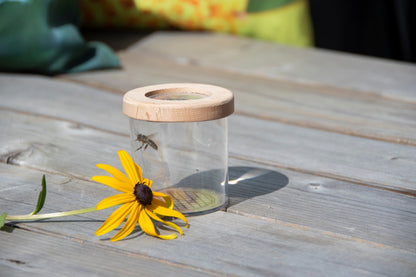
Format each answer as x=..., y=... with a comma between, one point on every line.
x=187, y=160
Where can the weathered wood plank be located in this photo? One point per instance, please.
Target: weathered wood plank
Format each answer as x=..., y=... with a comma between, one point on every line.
x=32, y=141
x=365, y=161
x=322, y=203
x=333, y=109
x=31, y=253
x=374, y=238
x=278, y=195
x=390, y=79
x=319, y=152
x=42, y=95
x=218, y=244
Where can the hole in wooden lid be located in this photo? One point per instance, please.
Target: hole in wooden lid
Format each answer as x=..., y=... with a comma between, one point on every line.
x=176, y=94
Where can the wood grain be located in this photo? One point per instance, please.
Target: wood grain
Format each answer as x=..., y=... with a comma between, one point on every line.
x=323, y=107
x=249, y=246
x=365, y=161
x=310, y=66
x=55, y=147
x=321, y=164
x=349, y=158
x=301, y=225
x=322, y=203
x=42, y=95
x=38, y=254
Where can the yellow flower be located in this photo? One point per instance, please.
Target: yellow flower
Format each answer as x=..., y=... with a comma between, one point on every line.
x=140, y=203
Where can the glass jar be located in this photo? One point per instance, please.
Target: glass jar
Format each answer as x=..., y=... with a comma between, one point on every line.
x=178, y=135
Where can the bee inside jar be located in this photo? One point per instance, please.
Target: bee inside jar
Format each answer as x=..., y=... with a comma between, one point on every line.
x=146, y=142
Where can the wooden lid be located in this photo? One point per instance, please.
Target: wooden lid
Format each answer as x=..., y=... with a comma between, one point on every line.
x=179, y=102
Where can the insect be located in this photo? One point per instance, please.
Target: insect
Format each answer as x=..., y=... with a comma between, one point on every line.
x=146, y=141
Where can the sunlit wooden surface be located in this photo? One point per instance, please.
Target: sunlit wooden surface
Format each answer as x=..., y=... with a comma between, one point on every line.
x=322, y=163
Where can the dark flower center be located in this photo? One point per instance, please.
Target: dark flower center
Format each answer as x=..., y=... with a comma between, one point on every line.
x=143, y=194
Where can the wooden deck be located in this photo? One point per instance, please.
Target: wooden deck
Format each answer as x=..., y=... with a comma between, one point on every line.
x=330, y=136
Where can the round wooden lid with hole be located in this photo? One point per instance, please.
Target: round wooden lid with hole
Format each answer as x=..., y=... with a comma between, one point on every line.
x=179, y=102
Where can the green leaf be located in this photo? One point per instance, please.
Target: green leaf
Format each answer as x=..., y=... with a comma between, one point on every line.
x=41, y=197
x=2, y=219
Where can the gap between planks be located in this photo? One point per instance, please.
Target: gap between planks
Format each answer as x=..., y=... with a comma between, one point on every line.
x=306, y=85
x=66, y=236
x=299, y=65
x=317, y=125
x=26, y=257
x=367, y=183
x=271, y=60
x=310, y=125
x=325, y=233
x=8, y=158
x=58, y=172
x=76, y=123
x=56, y=234
x=30, y=228
x=27, y=227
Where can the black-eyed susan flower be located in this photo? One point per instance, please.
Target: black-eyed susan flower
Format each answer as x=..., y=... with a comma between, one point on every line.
x=138, y=202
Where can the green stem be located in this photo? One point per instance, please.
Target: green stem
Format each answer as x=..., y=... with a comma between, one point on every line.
x=50, y=215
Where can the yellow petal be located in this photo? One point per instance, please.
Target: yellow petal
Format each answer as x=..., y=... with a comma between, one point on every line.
x=130, y=223
x=171, y=236
x=116, y=199
x=115, y=172
x=168, y=202
x=157, y=208
x=139, y=172
x=115, y=219
x=114, y=183
x=148, y=182
x=147, y=224
x=171, y=224
x=130, y=167
x=159, y=194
